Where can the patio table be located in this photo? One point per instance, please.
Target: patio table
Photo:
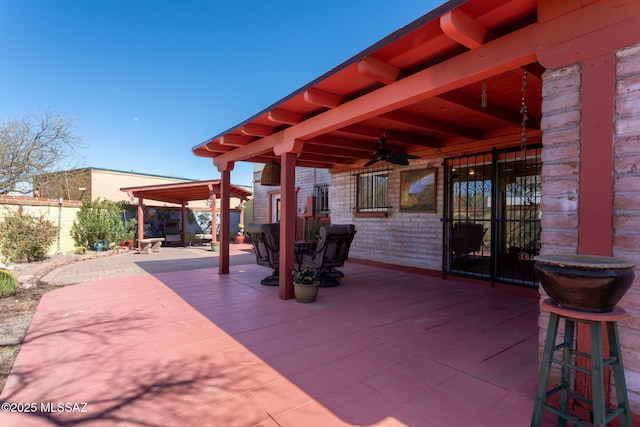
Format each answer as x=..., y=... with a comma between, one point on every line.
x=301, y=248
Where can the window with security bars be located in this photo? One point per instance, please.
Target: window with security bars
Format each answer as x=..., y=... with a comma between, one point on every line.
x=322, y=199
x=370, y=191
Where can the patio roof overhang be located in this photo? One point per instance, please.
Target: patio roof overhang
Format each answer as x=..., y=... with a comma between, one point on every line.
x=422, y=86
x=183, y=192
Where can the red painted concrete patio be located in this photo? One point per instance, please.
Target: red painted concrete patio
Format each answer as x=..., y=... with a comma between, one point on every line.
x=194, y=348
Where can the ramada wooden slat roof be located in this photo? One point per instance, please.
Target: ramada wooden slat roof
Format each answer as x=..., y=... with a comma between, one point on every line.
x=184, y=192
x=341, y=115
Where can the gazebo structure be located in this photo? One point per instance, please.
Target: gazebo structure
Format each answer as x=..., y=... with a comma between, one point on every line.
x=467, y=78
x=182, y=193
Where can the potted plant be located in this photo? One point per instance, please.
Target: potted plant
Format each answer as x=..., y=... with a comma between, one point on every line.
x=240, y=236
x=313, y=232
x=305, y=285
x=129, y=232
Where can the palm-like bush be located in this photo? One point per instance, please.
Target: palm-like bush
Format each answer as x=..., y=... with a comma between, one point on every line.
x=8, y=283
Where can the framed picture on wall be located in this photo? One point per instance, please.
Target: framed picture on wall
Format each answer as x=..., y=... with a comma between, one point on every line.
x=418, y=190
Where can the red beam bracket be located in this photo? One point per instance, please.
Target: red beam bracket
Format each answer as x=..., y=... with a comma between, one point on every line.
x=462, y=28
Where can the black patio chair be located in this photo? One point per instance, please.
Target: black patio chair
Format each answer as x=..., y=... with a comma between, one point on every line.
x=265, y=239
x=334, y=272
x=331, y=252
x=466, y=238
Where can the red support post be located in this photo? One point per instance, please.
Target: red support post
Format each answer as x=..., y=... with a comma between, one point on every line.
x=182, y=224
x=287, y=223
x=140, y=220
x=595, y=229
x=225, y=202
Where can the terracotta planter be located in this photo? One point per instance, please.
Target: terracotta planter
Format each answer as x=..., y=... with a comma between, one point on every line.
x=240, y=238
x=584, y=282
x=305, y=293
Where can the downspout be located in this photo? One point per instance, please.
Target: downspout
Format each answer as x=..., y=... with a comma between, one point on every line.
x=183, y=223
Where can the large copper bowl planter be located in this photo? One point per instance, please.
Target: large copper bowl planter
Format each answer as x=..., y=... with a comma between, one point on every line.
x=584, y=282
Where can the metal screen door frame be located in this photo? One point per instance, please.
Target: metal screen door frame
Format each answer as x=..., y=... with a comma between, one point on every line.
x=492, y=215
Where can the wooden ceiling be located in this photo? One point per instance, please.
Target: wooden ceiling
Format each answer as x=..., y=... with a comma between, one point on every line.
x=485, y=109
x=184, y=192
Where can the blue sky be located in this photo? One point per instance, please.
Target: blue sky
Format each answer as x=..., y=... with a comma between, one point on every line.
x=145, y=81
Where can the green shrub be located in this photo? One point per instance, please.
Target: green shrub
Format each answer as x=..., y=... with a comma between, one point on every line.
x=98, y=221
x=25, y=237
x=130, y=229
x=8, y=283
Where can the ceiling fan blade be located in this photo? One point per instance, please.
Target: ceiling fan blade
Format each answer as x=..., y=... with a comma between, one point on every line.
x=385, y=154
x=372, y=161
x=382, y=152
x=404, y=156
x=397, y=161
x=397, y=158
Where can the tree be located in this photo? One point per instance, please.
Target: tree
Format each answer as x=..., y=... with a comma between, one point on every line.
x=34, y=145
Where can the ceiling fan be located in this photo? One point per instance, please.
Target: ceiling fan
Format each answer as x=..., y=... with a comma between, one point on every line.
x=385, y=155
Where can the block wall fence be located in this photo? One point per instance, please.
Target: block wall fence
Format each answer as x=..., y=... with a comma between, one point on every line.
x=62, y=216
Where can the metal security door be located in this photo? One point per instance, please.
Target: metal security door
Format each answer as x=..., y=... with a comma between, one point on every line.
x=517, y=215
x=492, y=215
x=468, y=218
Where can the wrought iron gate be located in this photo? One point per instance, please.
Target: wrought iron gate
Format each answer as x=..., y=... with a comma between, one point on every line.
x=492, y=215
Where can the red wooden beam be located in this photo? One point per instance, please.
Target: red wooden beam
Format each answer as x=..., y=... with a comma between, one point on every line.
x=505, y=53
x=251, y=129
x=465, y=30
x=287, y=117
x=431, y=124
x=322, y=98
x=235, y=140
x=378, y=70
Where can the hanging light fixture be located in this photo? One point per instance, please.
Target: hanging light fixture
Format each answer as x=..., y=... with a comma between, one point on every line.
x=270, y=174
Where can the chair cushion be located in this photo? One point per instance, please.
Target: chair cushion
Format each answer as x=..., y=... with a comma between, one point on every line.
x=266, y=243
x=333, y=246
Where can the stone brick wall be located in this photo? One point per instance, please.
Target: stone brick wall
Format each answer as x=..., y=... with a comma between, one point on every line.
x=260, y=200
x=306, y=179
x=626, y=205
x=403, y=238
x=37, y=201
x=560, y=160
x=411, y=239
x=561, y=111
x=560, y=124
